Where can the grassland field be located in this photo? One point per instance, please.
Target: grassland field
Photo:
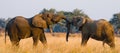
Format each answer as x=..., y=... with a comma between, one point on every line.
x=58, y=44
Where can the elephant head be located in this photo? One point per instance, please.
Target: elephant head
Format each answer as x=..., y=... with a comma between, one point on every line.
x=57, y=18
x=42, y=20
x=38, y=21
x=48, y=17
x=77, y=21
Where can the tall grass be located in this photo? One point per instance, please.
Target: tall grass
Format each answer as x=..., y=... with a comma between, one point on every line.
x=57, y=44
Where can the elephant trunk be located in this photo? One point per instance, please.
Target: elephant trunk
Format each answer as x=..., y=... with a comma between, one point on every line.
x=68, y=30
x=67, y=36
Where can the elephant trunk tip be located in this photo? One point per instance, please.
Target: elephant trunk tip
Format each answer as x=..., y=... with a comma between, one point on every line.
x=66, y=40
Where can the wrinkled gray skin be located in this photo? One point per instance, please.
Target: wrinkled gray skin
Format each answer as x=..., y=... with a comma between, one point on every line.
x=100, y=30
x=20, y=28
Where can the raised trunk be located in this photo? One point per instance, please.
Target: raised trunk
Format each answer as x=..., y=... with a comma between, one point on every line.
x=68, y=30
x=67, y=35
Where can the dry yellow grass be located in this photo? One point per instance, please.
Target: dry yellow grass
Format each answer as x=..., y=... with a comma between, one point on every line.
x=57, y=44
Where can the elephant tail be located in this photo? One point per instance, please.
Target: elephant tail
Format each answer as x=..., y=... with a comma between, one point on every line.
x=5, y=35
x=6, y=30
x=7, y=27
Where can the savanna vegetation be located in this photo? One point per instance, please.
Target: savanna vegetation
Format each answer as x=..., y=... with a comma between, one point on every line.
x=57, y=44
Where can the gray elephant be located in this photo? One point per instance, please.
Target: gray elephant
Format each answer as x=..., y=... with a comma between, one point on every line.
x=100, y=30
x=20, y=28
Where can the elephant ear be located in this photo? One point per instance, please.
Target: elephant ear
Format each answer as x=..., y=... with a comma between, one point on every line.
x=48, y=17
x=38, y=21
x=80, y=21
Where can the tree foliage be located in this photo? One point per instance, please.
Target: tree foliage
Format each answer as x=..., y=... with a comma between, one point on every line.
x=116, y=20
x=2, y=23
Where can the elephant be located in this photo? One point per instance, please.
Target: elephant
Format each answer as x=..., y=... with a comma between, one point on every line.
x=20, y=28
x=100, y=30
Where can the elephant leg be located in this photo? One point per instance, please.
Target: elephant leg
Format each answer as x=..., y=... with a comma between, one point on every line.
x=43, y=39
x=110, y=40
x=111, y=44
x=85, y=38
x=15, y=41
x=35, y=40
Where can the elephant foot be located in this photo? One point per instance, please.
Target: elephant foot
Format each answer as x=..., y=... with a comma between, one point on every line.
x=112, y=45
x=66, y=40
x=83, y=44
x=53, y=34
x=15, y=44
x=45, y=45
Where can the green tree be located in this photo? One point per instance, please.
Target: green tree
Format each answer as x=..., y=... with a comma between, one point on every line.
x=115, y=21
x=77, y=12
x=48, y=10
x=2, y=22
x=44, y=10
x=60, y=12
x=52, y=10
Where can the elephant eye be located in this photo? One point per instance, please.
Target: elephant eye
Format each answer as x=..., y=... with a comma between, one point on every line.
x=78, y=20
